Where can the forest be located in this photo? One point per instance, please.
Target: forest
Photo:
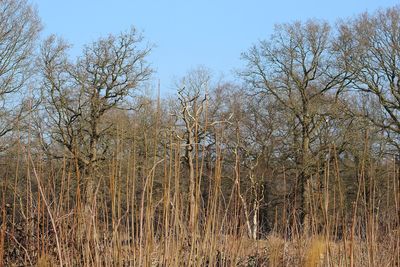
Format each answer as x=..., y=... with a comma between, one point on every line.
x=294, y=163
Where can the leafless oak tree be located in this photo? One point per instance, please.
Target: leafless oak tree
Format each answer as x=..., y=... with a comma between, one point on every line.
x=19, y=29
x=370, y=47
x=80, y=93
x=297, y=68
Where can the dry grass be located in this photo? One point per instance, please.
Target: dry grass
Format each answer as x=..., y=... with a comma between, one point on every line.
x=140, y=218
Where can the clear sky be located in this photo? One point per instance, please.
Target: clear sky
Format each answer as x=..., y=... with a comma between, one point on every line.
x=188, y=33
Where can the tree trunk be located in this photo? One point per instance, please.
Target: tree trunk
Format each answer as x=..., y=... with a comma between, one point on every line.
x=192, y=199
x=303, y=193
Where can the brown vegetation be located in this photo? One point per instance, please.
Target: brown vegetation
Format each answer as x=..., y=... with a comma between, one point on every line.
x=299, y=166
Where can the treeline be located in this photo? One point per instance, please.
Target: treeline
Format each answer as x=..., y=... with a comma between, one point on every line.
x=304, y=147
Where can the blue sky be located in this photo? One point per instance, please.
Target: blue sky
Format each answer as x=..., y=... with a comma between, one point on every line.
x=189, y=33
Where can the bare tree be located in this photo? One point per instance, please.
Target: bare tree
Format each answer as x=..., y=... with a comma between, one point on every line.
x=370, y=47
x=80, y=93
x=297, y=68
x=19, y=29
x=192, y=109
